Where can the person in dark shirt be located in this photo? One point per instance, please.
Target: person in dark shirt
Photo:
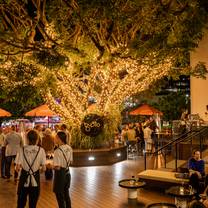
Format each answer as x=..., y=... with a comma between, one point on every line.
x=196, y=171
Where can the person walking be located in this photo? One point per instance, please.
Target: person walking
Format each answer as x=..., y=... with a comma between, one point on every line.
x=30, y=159
x=63, y=157
x=13, y=142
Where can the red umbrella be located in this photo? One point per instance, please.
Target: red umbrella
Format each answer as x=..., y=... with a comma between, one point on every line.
x=4, y=113
x=42, y=110
x=145, y=110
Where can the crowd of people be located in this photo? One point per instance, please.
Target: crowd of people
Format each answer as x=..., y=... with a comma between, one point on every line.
x=142, y=134
x=30, y=154
x=33, y=152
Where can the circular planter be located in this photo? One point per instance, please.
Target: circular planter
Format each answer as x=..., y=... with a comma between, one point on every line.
x=102, y=156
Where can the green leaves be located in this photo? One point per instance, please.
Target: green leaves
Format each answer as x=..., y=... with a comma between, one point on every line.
x=19, y=90
x=200, y=70
x=112, y=27
x=172, y=105
x=50, y=58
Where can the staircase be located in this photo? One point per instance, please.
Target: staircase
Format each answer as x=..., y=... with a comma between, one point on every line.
x=172, y=158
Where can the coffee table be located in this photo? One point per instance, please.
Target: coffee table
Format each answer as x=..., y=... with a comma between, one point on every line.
x=182, y=195
x=132, y=185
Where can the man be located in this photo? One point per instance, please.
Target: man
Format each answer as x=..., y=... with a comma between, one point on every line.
x=196, y=171
x=64, y=129
x=13, y=141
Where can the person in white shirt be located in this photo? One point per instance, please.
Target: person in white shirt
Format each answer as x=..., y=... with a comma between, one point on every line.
x=148, y=138
x=63, y=157
x=13, y=142
x=30, y=159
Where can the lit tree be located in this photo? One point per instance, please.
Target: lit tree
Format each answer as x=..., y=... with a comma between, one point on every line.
x=104, y=50
x=20, y=88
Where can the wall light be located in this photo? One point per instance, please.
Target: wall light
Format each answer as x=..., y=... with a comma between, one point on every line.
x=91, y=158
x=118, y=154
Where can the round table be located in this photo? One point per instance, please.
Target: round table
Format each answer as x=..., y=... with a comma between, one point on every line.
x=161, y=205
x=182, y=195
x=131, y=185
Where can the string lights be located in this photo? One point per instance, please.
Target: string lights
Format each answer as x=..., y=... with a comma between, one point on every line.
x=103, y=83
x=67, y=89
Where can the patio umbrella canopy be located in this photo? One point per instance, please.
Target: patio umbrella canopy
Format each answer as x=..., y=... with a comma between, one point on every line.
x=145, y=110
x=4, y=113
x=42, y=110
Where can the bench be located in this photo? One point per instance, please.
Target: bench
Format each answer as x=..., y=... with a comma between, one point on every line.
x=161, y=179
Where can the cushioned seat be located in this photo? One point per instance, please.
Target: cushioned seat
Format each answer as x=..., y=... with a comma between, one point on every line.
x=161, y=205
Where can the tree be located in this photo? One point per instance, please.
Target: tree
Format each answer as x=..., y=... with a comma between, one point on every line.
x=173, y=108
x=101, y=50
x=20, y=88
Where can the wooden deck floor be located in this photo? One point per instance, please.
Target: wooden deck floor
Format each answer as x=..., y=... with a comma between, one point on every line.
x=92, y=187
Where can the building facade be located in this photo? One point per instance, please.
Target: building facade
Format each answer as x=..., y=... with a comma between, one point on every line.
x=199, y=87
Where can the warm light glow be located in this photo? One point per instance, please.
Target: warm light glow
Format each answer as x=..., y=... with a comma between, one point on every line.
x=105, y=85
x=91, y=158
x=118, y=154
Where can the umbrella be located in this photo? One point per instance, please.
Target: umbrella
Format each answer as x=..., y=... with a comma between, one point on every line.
x=42, y=110
x=4, y=113
x=92, y=107
x=146, y=110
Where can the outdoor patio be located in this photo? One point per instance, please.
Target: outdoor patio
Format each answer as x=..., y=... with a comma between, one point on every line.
x=92, y=187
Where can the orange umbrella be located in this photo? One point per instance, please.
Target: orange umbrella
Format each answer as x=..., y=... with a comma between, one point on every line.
x=4, y=113
x=42, y=110
x=92, y=107
x=145, y=110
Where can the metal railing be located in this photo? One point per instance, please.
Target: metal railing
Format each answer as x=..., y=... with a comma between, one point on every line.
x=181, y=146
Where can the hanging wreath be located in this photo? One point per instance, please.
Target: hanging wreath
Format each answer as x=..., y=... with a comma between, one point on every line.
x=92, y=125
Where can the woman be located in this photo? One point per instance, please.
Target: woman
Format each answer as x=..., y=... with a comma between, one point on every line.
x=63, y=157
x=196, y=168
x=48, y=142
x=148, y=139
x=30, y=160
x=48, y=146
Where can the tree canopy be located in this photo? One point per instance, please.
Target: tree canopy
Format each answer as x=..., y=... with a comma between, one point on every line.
x=134, y=28
x=102, y=50
x=102, y=34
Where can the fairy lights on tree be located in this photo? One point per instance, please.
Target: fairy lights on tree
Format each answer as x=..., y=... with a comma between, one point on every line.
x=104, y=51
